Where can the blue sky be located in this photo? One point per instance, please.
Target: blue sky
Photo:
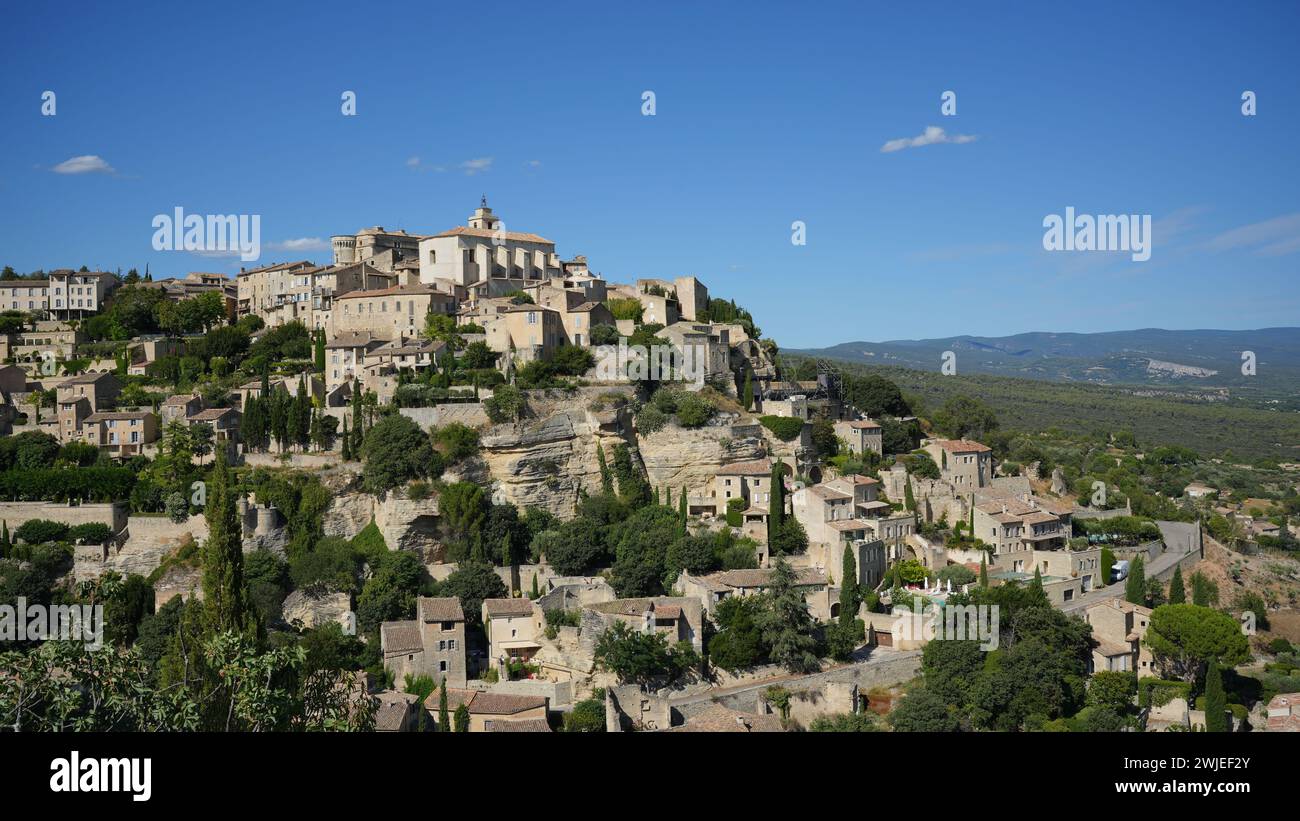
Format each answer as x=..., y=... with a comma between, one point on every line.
x=766, y=114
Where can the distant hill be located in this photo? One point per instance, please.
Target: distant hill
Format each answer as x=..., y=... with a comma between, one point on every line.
x=1206, y=359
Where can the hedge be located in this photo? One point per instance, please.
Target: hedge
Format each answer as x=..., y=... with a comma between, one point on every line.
x=1168, y=690
x=785, y=428
x=40, y=531
x=89, y=484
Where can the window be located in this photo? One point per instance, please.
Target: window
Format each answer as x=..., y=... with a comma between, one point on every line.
x=442, y=666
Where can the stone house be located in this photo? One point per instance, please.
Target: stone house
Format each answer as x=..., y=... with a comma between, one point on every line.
x=1119, y=628
x=965, y=464
x=489, y=711
x=531, y=331
x=179, y=407
x=862, y=435
x=432, y=644
x=389, y=313
x=121, y=433
x=514, y=627
x=712, y=588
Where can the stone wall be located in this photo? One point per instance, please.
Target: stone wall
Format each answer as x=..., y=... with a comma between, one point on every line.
x=113, y=514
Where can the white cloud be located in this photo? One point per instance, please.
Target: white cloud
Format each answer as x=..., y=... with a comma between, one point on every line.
x=301, y=244
x=1274, y=237
x=534, y=163
x=476, y=166
x=414, y=162
x=934, y=135
x=85, y=164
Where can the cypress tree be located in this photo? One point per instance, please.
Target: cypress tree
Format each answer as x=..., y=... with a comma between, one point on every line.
x=223, y=553
x=1216, y=703
x=1177, y=591
x=1037, y=584
x=1135, y=589
x=462, y=719
x=682, y=511
x=848, y=588
x=748, y=390
x=6, y=547
x=909, y=500
x=656, y=497
x=507, y=551
x=984, y=572
x=606, y=478
x=536, y=593
x=320, y=351
x=668, y=496
x=442, y=707
x=347, y=441
x=775, y=502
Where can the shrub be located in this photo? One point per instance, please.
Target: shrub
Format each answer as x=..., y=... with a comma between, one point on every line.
x=785, y=428
x=650, y=420
x=507, y=404
x=90, y=533
x=40, y=531
x=694, y=411
x=735, y=507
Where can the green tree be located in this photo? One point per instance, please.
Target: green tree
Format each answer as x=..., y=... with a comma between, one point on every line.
x=642, y=658
x=786, y=624
x=1216, y=703
x=443, y=724
x=223, y=554
x=776, y=501
x=1185, y=638
x=395, y=452
x=606, y=478
x=1177, y=593
x=747, y=393
x=1135, y=587
x=462, y=718
x=848, y=588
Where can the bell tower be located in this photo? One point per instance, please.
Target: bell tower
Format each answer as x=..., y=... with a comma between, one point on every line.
x=483, y=217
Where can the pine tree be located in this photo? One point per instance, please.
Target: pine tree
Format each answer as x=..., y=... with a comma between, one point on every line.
x=984, y=572
x=848, y=588
x=223, y=553
x=1177, y=591
x=606, y=478
x=1216, y=703
x=1135, y=589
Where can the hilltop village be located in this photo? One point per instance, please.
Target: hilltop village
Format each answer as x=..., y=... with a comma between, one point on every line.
x=437, y=484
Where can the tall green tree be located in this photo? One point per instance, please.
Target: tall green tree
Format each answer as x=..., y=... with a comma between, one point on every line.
x=443, y=726
x=1216, y=703
x=682, y=510
x=848, y=588
x=984, y=572
x=1135, y=588
x=776, y=502
x=606, y=478
x=223, y=553
x=1177, y=592
x=785, y=622
x=747, y=393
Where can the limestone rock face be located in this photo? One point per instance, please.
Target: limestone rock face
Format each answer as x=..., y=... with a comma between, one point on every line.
x=409, y=524
x=149, y=539
x=308, y=611
x=679, y=457
x=348, y=514
x=543, y=463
